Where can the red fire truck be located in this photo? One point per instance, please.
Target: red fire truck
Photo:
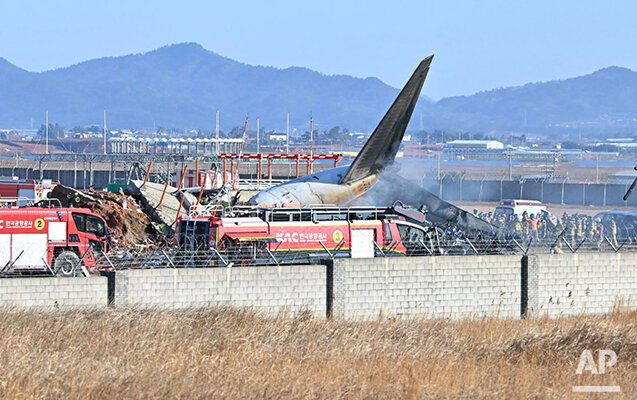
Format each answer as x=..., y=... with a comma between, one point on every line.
x=36, y=239
x=248, y=234
x=20, y=192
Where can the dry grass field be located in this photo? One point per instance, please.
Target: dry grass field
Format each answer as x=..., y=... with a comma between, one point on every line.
x=224, y=353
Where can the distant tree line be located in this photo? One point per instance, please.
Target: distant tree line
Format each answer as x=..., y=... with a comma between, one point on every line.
x=56, y=131
x=609, y=148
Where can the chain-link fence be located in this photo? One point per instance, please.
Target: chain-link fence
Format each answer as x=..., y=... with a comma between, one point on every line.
x=437, y=244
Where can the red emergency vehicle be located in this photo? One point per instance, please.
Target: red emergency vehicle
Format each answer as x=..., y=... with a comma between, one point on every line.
x=359, y=232
x=38, y=239
x=20, y=192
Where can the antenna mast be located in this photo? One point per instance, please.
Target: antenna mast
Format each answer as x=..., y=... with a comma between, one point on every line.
x=287, y=135
x=311, y=144
x=46, y=134
x=217, y=132
x=104, y=131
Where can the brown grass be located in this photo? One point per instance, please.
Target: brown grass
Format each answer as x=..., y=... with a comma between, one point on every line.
x=225, y=353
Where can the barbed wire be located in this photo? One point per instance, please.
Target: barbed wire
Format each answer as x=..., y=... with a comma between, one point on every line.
x=258, y=254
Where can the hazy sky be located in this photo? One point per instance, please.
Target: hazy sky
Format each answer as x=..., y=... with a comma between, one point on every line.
x=478, y=44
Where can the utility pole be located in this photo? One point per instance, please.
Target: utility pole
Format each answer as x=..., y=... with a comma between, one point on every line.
x=439, y=155
x=46, y=134
x=510, y=169
x=258, y=140
x=311, y=144
x=287, y=135
x=105, y=131
x=596, y=168
x=217, y=132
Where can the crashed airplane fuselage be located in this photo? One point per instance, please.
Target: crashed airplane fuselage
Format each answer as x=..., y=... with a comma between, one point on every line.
x=341, y=185
x=318, y=188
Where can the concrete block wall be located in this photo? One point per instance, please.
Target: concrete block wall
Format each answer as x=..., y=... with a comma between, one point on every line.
x=454, y=286
x=267, y=289
x=586, y=283
x=53, y=293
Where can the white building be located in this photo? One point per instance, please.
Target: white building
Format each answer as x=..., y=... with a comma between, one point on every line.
x=475, y=144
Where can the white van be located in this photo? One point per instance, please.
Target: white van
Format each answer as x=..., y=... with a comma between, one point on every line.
x=518, y=207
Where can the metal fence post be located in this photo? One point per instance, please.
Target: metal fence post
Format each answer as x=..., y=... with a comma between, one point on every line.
x=604, y=200
x=501, y=187
x=584, y=193
x=562, y=197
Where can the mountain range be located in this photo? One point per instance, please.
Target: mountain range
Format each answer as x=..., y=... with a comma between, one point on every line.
x=604, y=101
x=182, y=86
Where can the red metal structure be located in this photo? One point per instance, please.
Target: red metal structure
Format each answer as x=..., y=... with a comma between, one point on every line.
x=35, y=239
x=309, y=158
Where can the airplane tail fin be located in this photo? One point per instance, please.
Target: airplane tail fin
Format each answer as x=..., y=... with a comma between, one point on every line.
x=382, y=146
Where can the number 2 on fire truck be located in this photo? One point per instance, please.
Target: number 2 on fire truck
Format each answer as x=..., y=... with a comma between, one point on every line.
x=39, y=224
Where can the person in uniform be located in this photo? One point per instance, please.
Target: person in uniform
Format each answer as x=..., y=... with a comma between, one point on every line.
x=558, y=228
x=533, y=227
x=571, y=231
x=599, y=232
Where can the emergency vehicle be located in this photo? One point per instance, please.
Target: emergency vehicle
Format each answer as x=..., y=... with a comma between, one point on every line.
x=34, y=239
x=248, y=234
x=518, y=207
x=21, y=192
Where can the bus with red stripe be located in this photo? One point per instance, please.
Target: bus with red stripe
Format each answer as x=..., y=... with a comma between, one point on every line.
x=359, y=232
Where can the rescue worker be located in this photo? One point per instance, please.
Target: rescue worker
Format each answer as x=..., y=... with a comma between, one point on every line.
x=533, y=227
x=579, y=226
x=599, y=233
x=557, y=230
x=592, y=230
x=517, y=227
x=571, y=231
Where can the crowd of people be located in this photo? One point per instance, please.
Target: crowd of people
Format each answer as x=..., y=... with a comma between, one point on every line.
x=572, y=230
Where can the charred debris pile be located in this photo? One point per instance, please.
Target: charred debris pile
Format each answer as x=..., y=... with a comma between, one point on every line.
x=123, y=213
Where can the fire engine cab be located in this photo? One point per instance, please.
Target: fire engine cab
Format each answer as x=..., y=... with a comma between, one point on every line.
x=36, y=239
x=359, y=232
